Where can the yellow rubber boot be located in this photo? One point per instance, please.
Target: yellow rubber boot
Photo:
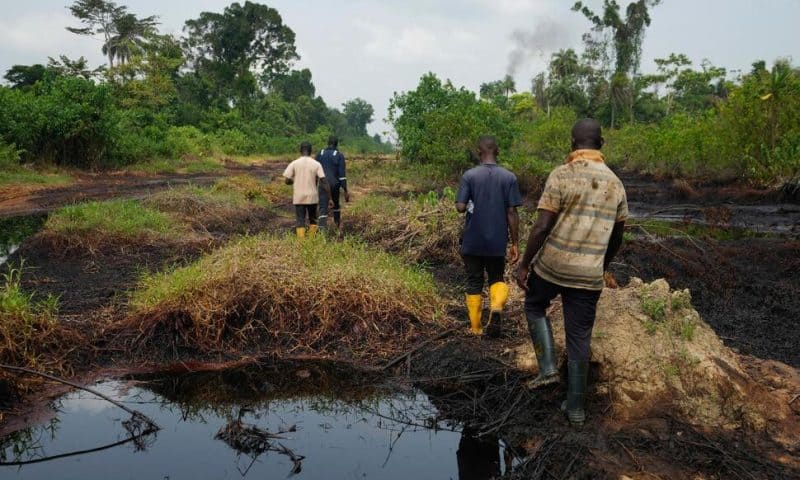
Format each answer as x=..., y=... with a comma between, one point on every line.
x=498, y=296
x=301, y=232
x=312, y=231
x=474, y=306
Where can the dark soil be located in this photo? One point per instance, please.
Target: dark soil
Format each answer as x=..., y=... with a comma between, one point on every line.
x=747, y=290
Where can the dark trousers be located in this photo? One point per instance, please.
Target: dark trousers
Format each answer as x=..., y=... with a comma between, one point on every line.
x=475, y=265
x=323, y=207
x=580, y=307
x=300, y=212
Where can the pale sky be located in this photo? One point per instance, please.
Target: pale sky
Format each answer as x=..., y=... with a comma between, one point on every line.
x=372, y=48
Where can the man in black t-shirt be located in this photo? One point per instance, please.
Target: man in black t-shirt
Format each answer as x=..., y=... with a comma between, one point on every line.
x=489, y=195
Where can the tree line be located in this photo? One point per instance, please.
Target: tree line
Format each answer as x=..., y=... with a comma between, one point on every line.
x=681, y=120
x=226, y=84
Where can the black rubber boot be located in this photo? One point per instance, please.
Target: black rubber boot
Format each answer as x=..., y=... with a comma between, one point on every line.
x=574, y=405
x=542, y=336
x=494, y=329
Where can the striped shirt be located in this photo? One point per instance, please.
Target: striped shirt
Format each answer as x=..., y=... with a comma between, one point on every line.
x=589, y=199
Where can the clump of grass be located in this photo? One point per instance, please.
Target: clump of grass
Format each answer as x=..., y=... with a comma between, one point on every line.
x=256, y=190
x=210, y=209
x=425, y=228
x=30, y=335
x=93, y=224
x=282, y=296
x=655, y=308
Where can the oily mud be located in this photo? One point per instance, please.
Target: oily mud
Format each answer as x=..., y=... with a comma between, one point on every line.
x=747, y=290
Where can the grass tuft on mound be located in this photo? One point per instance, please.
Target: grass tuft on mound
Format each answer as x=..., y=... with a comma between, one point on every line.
x=30, y=335
x=279, y=295
x=94, y=223
x=210, y=209
x=424, y=228
x=274, y=192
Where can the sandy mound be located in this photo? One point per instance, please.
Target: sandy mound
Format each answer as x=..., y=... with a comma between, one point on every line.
x=656, y=354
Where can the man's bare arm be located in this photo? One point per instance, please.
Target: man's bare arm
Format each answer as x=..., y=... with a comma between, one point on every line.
x=513, y=229
x=289, y=181
x=614, y=243
x=541, y=229
x=461, y=207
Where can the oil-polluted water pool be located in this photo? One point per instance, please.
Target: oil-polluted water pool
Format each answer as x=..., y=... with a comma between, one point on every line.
x=366, y=435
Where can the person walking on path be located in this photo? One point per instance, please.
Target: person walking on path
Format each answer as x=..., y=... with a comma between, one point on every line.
x=304, y=174
x=489, y=195
x=582, y=213
x=333, y=164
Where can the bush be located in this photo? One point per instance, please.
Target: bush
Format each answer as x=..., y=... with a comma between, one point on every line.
x=437, y=123
x=424, y=228
x=65, y=120
x=547, y=138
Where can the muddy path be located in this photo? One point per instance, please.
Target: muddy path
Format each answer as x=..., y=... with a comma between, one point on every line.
x=105, y=186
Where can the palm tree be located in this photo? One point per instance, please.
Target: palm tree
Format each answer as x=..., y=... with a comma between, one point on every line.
x=129, y=36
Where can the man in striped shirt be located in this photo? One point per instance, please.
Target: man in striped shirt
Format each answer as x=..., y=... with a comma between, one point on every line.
x=581, y=217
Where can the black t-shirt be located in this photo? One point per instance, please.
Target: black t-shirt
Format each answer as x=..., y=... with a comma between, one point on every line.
x=488, y=190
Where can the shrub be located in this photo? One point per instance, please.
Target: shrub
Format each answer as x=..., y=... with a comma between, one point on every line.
x=438, y=123
x=65, y=120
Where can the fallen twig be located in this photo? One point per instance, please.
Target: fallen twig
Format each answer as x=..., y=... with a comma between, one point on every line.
x=408, y=354
x=137, y=415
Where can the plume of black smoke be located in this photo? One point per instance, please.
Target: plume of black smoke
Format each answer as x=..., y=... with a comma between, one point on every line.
x=546, y=37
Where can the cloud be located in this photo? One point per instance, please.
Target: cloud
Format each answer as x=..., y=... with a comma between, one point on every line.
x=411, y=44
x=33, y=37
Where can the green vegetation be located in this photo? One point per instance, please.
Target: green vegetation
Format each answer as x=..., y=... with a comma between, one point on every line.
x=276, y=294
x=654, y=308
x=94, y=223
x=663, y=228
x=11, y=172
x=220, y=89
x=29, y=333
x=669, y=314
x=678, y=121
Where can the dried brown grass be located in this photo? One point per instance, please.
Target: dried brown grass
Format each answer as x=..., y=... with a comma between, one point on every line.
x=277, y=295
x=425, y=229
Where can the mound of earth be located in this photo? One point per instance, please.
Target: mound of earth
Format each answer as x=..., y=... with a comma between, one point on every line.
x=656, y=355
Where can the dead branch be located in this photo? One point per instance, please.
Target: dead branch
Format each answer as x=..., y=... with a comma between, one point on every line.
x=135, y=414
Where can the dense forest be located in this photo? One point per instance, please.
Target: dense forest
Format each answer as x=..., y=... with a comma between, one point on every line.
x=226, y=85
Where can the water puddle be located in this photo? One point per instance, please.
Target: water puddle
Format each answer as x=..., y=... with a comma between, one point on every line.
x=210, y=429
x=14, y=230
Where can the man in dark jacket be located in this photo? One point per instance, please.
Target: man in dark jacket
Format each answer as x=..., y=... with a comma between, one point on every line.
x=333, y=164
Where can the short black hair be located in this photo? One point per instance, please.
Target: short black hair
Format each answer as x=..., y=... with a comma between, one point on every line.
x=588, y=133
x=488, y=143
x=305, y=148
x=333, y=141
